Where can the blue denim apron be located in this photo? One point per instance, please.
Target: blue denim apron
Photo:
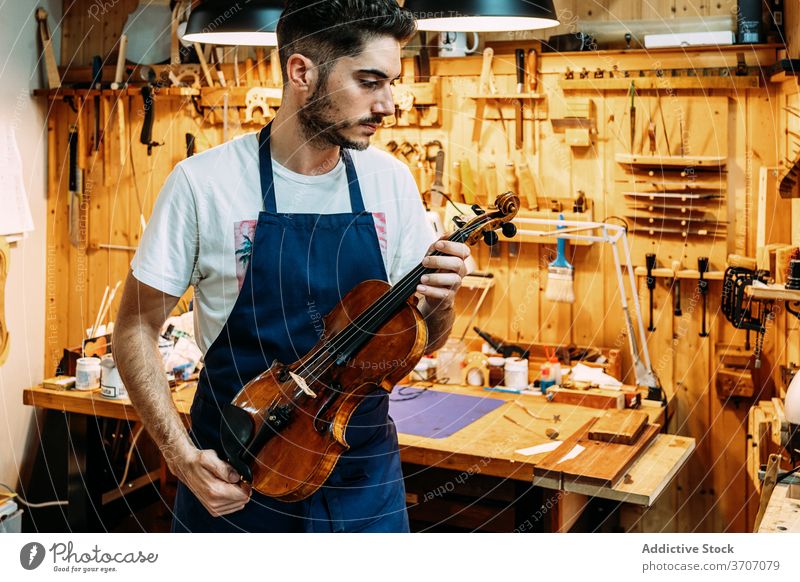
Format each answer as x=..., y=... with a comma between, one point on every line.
x=300, y=267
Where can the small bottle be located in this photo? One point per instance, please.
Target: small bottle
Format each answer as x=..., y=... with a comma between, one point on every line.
x=546, y=379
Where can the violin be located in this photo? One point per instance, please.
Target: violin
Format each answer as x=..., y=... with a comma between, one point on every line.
x=285, y=430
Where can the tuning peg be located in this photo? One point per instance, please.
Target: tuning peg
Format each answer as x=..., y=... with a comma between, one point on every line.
x=490, y=238
x=509, y=230
x=459, y=222
x=478, y=210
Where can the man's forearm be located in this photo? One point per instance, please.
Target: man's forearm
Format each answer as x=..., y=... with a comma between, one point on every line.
x=440, y=323
x=142, y=371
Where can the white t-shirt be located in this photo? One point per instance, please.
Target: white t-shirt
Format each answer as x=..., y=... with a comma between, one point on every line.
x=208, y=207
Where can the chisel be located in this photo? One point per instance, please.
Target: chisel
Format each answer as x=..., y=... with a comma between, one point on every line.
x=518, y=109
x=650, y=261
x=676, y=266
x=437, y=188
x=75, y=188
x=633, y=116
x=702, y=286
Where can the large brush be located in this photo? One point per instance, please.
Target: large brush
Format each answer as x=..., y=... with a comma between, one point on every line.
x=560, y=287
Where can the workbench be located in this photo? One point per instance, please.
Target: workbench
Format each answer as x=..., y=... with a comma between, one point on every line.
x=482, y=450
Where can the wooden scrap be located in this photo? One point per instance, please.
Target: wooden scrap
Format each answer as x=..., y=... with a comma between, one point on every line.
x=586, y=398
x=619, y=426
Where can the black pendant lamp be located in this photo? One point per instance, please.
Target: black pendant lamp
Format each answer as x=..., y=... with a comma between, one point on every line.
x=250, y=23
x=482, y=15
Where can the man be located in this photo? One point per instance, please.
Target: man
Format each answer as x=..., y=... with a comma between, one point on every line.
x=272, y=230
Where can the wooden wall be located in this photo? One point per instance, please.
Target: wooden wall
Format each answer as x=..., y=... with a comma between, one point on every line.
x=747, y=127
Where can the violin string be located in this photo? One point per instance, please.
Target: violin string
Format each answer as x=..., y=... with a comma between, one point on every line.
x=383, y=307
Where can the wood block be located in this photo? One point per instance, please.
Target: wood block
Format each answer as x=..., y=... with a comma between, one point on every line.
x=782, y=257
x=600, y=463
x=619, y=426
x=586, y=398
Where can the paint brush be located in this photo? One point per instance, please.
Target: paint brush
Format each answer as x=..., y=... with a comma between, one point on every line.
x=560, y=274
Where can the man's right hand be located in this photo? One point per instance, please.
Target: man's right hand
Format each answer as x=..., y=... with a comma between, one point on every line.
x=213, y=481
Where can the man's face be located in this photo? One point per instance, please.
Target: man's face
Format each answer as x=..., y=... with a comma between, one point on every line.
x=346, y=109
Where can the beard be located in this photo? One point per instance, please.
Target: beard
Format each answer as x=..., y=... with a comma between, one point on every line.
x=322, y=126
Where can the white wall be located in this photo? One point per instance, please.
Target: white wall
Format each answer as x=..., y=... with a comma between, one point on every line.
x=20, y=73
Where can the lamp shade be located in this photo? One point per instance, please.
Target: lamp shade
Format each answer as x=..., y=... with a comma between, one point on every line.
x=482, y=15
x=250, y=23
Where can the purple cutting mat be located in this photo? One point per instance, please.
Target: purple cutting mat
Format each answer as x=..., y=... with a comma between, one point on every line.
x=436, y=415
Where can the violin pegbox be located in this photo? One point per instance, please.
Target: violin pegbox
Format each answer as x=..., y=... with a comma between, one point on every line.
x=486, y=222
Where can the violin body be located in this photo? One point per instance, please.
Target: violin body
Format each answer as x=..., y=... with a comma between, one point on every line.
x=300, y=455
x=285, y=430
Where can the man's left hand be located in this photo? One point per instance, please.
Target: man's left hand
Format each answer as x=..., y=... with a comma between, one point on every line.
x=439, y=288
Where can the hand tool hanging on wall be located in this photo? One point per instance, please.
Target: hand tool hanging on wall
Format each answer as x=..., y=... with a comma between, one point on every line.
x=676, y=266
x=201, y=56
x=467, y=181
x=437, y=188
x=483, y=91
x=633, y=116
x=97, y=84
x=50, y=66
x=75, y=202
x=148, y=98
x=190, y=145
x=663, y=123
x=533, y=67
x=702, y=286
x=122, y=100
x=738, y=309
x=650, y=261
x=519, y=106
x=527, y=184
x=455, y=182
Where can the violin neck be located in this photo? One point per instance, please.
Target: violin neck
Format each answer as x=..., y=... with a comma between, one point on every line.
x=370, y=321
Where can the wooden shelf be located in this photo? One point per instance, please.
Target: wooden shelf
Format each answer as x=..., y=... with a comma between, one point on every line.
x=772, y=293
x=477, y=282
x=664, y=273
x=507, y=96
x=665, y=83
x=641, y=160
x=130, y=91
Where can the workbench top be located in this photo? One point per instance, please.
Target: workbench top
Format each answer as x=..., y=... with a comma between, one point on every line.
x=487, y=445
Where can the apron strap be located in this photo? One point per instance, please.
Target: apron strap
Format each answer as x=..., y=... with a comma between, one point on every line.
x=268, y=180
x=356, y=200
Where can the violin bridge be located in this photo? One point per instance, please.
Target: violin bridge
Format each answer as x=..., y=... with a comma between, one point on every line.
x=302, y=384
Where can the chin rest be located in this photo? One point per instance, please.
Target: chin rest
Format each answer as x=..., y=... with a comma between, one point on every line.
x=236, y=434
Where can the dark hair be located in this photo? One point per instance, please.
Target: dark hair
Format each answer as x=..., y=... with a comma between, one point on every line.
x=325, y=30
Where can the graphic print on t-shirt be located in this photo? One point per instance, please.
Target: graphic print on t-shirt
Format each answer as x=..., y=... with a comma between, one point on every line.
x=244, y=235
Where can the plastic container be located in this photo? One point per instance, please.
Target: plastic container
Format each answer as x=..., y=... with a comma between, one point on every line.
x=87, y=374
x=110, y=380
x=516, y=373
x=450, y=362
x=555, y=370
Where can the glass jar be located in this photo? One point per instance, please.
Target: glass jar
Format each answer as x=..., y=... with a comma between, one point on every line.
x=497, y=371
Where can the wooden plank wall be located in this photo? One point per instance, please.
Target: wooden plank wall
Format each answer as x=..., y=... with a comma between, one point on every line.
x=708, y=494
